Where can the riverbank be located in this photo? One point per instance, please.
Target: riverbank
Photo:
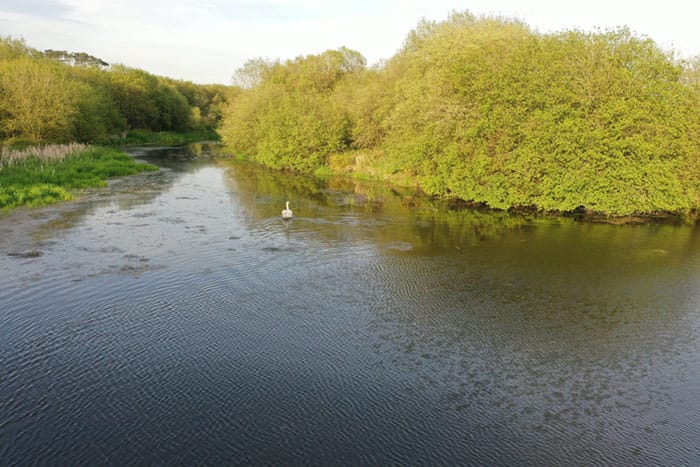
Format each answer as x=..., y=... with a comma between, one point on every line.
x=372, y=165
x=42, y=175
x=163, y=138
x=461, y=112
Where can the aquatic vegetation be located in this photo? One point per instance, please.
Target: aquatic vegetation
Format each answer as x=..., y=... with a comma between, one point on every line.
x=44, y=175
x=32, y=196
x=45, y=153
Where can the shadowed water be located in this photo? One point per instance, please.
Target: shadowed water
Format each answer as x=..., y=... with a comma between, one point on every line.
x=175, y=318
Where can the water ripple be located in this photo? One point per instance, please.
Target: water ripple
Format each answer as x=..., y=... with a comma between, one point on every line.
x=186, y=323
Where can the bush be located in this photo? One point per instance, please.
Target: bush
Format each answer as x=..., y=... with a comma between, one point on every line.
x=486, y=110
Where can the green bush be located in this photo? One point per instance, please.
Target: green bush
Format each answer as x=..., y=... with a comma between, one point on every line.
x=489, y=111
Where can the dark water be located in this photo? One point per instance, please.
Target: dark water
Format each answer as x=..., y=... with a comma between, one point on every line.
x=176, y=319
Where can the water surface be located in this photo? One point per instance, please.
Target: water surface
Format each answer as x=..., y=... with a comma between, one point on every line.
x=175, y=318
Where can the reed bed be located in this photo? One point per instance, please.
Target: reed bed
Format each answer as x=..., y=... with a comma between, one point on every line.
x=49, y=153
x=43, y=175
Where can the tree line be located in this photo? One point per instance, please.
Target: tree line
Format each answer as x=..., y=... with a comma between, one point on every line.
x=57, y=96
x=487, y=110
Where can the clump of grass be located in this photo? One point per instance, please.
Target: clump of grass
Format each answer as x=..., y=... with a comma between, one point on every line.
x=32, y=196
x=41, y=176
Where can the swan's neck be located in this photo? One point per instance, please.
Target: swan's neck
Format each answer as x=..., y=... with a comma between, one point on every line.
x=287, y=204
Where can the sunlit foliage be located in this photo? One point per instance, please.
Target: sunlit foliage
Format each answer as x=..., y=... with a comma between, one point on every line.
x=38, y=99
x=487, y=110
x=288, y=117
x=59, y=96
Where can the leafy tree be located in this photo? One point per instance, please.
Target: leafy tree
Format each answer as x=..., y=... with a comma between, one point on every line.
x=149, y=102
x=492, y=112
x=286, y=116
x=134, y=93
x=487, y=110
x=63, y=96
x=205, y=100
x=38, y=100
x=253, y=73
x=98, y=115
x=366, y=98
x=11, y=49
x=173, y=109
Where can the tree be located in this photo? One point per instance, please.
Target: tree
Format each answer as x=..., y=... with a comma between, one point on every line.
x=286, y=116
x=62, y=96
x=133, y=91
x=489, y=111
x=12, y=49
x=98, y=114
x=253, y=72
x=174, y=111
x=38, y=100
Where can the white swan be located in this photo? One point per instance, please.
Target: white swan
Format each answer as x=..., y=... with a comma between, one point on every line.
x=287, y=213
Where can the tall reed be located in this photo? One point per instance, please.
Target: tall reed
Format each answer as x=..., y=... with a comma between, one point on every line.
x=46, y=153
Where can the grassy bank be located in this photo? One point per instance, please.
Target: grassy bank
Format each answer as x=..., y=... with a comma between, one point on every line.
x=163, y=138
x=42, y=175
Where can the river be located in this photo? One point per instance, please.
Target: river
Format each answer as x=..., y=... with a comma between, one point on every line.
x=174, y=318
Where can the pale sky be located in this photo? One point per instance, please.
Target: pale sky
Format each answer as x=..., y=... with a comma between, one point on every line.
x=205, y=41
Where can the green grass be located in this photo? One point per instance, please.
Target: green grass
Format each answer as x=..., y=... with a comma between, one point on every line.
x=165, y=138
x=33, y=181
x=32, y=196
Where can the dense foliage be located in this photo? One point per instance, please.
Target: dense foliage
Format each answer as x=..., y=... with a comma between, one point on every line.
x=288, y=117
x=489, y=111
x=56, y=96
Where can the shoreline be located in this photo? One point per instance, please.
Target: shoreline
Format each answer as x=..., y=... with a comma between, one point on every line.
x=582, y=214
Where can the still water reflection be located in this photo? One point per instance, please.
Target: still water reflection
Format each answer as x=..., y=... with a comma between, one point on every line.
x=174, y=318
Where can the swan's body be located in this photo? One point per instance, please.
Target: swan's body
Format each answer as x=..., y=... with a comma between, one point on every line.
x=287, y=213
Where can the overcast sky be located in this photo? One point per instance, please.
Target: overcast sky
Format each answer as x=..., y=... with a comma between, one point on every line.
x=205, y=41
